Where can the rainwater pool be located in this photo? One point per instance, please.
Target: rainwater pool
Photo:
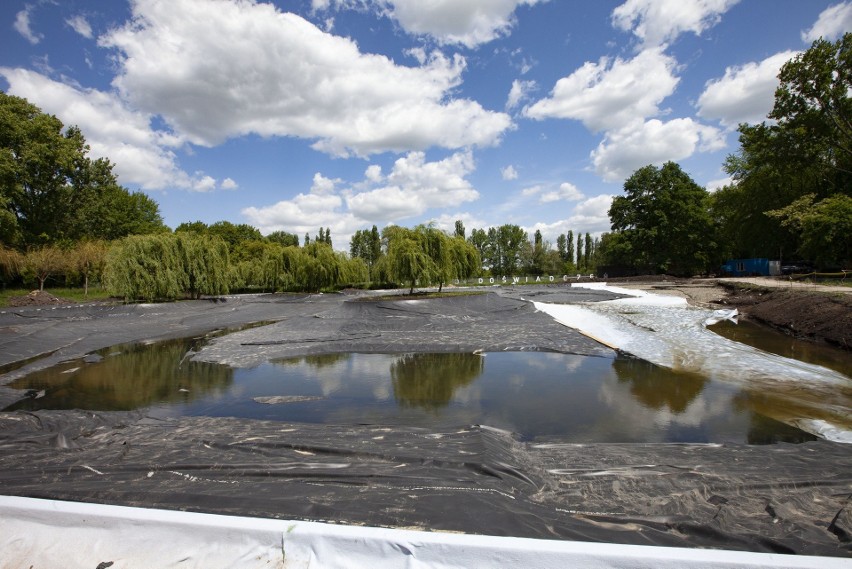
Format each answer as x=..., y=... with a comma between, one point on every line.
x=534, y=394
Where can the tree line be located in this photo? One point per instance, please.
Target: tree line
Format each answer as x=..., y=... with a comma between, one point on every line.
x=63, y=215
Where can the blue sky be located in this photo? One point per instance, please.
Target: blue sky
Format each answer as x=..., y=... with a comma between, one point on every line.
x=302, y=114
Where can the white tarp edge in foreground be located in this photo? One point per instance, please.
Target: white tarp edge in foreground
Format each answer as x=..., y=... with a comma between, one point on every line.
x=45, y=533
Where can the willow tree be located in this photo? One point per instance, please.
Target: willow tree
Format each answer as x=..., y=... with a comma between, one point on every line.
x=318, y=267
x=146, y=267
x=10, y=263
x=407, y=260
x=205, y=263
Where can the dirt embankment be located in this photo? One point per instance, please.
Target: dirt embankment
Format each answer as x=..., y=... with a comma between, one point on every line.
x=807, y=314
x=814, y=313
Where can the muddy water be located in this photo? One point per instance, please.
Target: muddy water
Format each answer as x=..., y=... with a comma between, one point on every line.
x=769, y=340
x=577, y=398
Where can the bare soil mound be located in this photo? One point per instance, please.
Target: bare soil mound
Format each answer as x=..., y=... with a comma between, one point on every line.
x=806, y=315
x=38, y=298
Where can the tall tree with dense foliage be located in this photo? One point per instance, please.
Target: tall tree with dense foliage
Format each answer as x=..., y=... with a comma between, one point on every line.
x=806, y=151
x=664, y=218
x=53, y=190
x=825, y=228
x=367, y=245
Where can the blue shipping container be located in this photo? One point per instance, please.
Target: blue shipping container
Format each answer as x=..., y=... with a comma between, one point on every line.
x=751, y=267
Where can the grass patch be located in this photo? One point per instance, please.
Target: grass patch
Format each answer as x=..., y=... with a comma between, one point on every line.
x=72, y=294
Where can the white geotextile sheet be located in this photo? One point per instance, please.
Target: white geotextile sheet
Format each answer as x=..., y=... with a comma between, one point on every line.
x=45, y=533
x=666, y=331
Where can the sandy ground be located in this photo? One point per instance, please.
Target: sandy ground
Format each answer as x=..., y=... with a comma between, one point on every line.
x=706, y=294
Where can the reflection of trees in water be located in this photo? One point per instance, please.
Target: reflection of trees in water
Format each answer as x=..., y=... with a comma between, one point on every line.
x=138, y=376
x=430, y=380
x=317, y=361
x=658, y=387
x=782, y=404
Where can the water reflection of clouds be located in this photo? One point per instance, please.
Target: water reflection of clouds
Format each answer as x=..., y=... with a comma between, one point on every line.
x=710, y=411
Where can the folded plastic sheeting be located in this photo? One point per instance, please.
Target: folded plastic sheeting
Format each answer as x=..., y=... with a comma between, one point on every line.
x=668, y=332
x=781, y=498
x=46, y=533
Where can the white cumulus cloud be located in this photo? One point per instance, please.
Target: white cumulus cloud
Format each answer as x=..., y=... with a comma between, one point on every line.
x=659, y=22
x=229, y=184
x=216, y=69
x=412, y=187
x=469, y=22
x=519, y=92
x=566, y=192
x=588, y=216
x=612, y=92
x=142, y=155
x=509, y=173
x=415, y=186
x=832, y=23
x=80, y=25
x=745, y=94
x=22, y=26
x=652, y=142
x=305, y=213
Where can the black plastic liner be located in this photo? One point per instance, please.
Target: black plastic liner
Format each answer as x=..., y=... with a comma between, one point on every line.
x=778, y=498
x=482, y=322
x=775, y=498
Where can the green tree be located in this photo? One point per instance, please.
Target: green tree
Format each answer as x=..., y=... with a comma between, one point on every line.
x=317, y=267
x=806, y=151
x=407, y=260
x=43, y=262
x=504, y=247
x=192, y=226
x=54, y=190
x=10, y=263
x=479, y=239
x=205, y=264
x=89, y=260
x=580, y=251
x=459, y=229
x=283, y=238
x=146, y=267
x=665, y=218
x=464, y=258
x=825, y=228
x=813, y=100
x=367, y=245
x=234, y=234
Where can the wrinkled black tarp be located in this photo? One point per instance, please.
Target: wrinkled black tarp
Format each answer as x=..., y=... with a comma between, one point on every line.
x=483, y=322
x=776, y=498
